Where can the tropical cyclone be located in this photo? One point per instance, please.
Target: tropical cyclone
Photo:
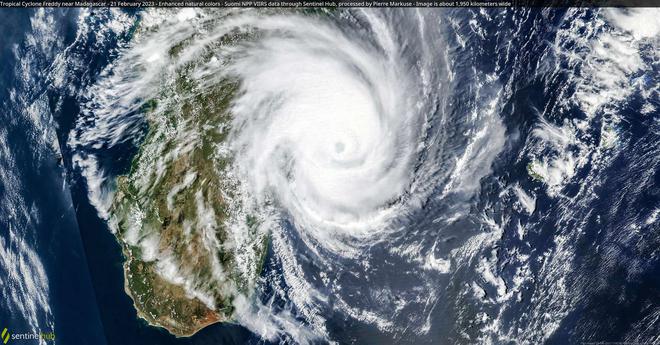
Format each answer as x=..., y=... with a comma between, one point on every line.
x=231, y=135
x=325, y=133
x=408, y=185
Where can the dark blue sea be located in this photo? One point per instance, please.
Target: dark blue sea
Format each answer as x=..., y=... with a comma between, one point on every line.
x=579, y=264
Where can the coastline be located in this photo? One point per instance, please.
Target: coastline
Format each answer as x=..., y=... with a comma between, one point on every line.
x=144, y=317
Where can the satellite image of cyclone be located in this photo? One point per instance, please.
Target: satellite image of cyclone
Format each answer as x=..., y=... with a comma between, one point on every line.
x=329, y=175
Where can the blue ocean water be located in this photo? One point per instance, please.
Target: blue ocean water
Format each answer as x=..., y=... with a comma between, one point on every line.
x=613, y=283
x=37, y=206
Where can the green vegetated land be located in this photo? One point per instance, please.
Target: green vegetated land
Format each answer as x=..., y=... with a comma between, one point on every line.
x=170, y=210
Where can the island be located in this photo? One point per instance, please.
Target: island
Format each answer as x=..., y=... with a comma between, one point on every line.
x=189, y=246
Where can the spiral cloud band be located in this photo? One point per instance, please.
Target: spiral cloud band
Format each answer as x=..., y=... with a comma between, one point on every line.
x=326, y=126
x=391, y=175
x=330, y=133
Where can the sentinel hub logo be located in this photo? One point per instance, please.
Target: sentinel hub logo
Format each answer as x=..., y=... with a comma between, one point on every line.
x=6, y=336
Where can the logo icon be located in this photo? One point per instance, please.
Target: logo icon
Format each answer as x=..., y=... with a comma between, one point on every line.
x=5, y=336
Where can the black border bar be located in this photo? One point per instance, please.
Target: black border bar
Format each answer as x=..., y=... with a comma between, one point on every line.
x=331, y=4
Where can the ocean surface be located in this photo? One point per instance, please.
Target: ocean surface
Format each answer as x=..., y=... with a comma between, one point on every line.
x=518, y=200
